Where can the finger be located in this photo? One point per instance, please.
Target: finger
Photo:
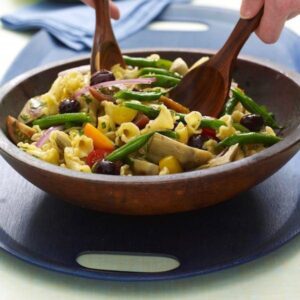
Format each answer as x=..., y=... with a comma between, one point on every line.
x=250, y=8
x=272, y=21
x=295, y=12
x=114, y=10
x=115, y=13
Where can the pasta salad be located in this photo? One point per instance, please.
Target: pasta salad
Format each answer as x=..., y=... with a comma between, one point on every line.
x=122, y=122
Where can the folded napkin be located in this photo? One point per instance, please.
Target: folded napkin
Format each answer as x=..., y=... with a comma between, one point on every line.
x=73, y=24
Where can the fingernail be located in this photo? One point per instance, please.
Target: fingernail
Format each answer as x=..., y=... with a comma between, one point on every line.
x=246, y=14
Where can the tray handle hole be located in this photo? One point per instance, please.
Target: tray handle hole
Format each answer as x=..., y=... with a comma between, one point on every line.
x=127, y=262
x=178, y=26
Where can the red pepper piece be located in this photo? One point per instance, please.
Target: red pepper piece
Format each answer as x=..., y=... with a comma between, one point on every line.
x=141, y=121
x=95, y=156
x=209, y=132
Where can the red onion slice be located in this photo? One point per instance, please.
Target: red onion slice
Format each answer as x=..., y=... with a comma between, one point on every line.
x=44, y=138
x=115, y=83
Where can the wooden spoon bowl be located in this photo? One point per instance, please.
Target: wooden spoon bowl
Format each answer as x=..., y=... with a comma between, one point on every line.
x=146, y=195
x=206, y=87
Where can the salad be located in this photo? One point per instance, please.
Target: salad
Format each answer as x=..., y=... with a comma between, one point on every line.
x=122, y=122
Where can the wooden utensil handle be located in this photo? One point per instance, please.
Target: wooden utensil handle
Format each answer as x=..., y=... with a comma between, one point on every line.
x=102, y=19
x=106, y=52
x=238, y=38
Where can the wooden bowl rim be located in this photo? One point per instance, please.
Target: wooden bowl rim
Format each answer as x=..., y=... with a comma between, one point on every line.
x=14, y=152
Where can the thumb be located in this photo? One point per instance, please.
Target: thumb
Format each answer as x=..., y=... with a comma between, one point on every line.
x=250, y=8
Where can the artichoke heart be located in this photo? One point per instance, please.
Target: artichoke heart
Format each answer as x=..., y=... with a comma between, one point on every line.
x=17, y=131
x=32, y=110
x=161, y=146
x=143, y=167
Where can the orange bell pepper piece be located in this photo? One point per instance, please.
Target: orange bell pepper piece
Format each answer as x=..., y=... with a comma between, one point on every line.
x=100, y=140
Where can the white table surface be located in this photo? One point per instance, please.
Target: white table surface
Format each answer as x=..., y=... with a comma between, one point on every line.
x=275, y=276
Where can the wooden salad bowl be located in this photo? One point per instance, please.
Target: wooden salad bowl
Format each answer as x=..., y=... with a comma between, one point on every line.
x=148, y=195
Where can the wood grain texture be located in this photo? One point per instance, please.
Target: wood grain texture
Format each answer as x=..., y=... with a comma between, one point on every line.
x=106, y=52
x=207, y=86
x=172, y=193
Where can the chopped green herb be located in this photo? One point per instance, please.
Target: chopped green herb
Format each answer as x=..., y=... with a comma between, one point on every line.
x=24, y=118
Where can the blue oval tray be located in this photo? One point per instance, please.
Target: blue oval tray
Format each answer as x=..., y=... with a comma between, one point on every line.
x=50, y=233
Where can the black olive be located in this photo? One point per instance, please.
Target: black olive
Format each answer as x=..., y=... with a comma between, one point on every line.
x=69, y=106
x=252, y=122
x=102, y=76
x=106, y=167
x=197, y=141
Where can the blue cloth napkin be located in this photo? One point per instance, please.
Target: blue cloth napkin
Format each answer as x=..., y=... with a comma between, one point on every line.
x=73, y=24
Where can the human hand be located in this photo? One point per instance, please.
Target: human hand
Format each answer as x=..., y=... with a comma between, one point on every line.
x=115, y=13
x=276, y=12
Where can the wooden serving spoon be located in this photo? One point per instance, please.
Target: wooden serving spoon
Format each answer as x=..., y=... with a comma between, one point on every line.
x=206, y=87
x=106, y=52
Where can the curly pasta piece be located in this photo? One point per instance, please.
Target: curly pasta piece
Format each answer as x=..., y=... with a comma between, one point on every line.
x=82, y=145
x=127, y=131
x=125, y=171
x=163, y=121
x=182, y=133
x=237, y=116
x=228, y=130
x=49, y=155
x=106, y=124
x=62, y=88
x=73, y=162
x=193, y=121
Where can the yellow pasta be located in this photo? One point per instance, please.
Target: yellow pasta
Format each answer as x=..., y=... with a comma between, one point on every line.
x=51, y=155
x=225, y=132
x=164, y=121
x=119, y=114
x=182, y=133
x=237, y=116
x=127, y=131
x=193, y=121
x=82, y=145
x=125, y=171
x=105, y=124
x=269, y=131
x=210, y=145
x=73, y=162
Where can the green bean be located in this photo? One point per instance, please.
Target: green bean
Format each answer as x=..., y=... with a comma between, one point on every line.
x=169, y=133
x=254, y=108
x=212, y=123
x=149, y=111
x=163, y=81
x=130, y=147
x=141, y=96
x=136, y=144
x=240, y=127
x=181, y=117
x=142, y=62
x=249, y=138
x=145, y=71
x=206, y=122
x=230, y=105
x=61, y=119
x=152, y=113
